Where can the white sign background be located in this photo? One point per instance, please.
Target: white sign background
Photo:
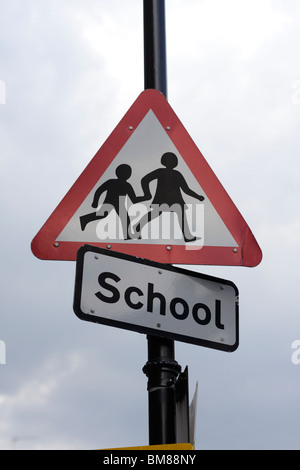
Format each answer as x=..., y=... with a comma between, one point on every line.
x=143, y=152
x=193, y=288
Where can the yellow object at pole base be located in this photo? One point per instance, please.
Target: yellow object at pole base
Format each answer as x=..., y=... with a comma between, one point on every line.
x=184, y=446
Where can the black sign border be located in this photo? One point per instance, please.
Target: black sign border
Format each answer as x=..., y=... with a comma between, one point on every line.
x=145, y=330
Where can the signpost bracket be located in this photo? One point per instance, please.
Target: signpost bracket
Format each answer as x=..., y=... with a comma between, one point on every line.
x=162, y=371
x=182, y=407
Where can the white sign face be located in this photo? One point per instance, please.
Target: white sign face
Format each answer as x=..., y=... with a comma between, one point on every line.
x=142, y=154
x=136, y=294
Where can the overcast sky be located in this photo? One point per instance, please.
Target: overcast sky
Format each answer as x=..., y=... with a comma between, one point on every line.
x=69, y=71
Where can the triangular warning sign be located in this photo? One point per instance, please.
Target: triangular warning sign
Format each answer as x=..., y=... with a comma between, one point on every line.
x=150, y=193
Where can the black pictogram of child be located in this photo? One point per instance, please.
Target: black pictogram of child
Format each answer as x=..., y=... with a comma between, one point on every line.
x=116, y=191
x=168, y=195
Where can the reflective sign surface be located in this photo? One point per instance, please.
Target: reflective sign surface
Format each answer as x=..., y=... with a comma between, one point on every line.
x=137, y=294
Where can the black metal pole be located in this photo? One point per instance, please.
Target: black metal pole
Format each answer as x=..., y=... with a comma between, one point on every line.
x=161, y=369
x=155, y=68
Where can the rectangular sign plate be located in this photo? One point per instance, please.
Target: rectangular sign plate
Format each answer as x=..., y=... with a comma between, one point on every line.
x=127, y=292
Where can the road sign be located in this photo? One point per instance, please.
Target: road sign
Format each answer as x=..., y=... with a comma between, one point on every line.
x=149, y=192
x=123, y=291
